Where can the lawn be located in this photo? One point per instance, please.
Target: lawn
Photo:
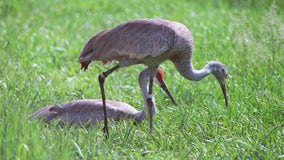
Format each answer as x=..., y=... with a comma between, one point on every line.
x=41, y=40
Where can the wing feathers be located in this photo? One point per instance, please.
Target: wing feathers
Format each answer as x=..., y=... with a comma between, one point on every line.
x=135, y=39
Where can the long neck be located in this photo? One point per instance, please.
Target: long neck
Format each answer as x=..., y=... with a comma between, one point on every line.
x=185, y=68
x=143, y=83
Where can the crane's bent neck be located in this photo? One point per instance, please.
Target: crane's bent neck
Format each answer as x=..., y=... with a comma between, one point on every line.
x=143, y=83
x=185, y=68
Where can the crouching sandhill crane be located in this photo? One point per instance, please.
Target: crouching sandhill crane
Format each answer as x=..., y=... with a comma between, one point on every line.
x=90, y=111
x=87, y=111
x=148, y=42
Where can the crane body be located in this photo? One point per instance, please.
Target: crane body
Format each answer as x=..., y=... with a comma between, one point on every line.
x=149, y=42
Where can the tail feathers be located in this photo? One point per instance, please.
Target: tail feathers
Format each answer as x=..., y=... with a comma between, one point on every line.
x=84, y=65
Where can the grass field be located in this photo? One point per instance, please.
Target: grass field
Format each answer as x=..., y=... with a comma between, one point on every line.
x=41, y=40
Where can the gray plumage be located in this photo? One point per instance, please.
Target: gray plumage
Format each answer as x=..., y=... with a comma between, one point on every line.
x=149, y=42
x=91, y=110
x=87, y=111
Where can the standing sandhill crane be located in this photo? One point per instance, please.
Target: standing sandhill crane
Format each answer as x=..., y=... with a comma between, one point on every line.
x=148, y=42
x=90, y=111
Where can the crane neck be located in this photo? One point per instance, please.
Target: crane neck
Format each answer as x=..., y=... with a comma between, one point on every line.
x=139, y=116
x=143, y=83
x=186, y=69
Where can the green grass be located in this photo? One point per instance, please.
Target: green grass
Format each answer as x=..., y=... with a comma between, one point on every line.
x=41, y=40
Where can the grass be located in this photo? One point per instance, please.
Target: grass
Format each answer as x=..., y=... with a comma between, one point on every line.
x=41, y=40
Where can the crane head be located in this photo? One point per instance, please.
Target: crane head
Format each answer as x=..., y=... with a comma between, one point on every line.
x=220, y=72
x=160, y=81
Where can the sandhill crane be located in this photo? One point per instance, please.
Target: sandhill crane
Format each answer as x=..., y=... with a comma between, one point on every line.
x=90, y=111
x=87, y=111
x=148, y=42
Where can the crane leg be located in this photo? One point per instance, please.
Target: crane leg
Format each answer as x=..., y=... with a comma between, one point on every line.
x=102, y=78
x=150, y=103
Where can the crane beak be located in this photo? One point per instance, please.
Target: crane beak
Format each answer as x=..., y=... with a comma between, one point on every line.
x=163, y=85
x=224, y=89
x=221, y=77
x=225, y=93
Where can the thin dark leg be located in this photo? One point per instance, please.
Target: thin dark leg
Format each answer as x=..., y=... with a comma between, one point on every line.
x=152, y=73
x=102, y=78
x=150, y=102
